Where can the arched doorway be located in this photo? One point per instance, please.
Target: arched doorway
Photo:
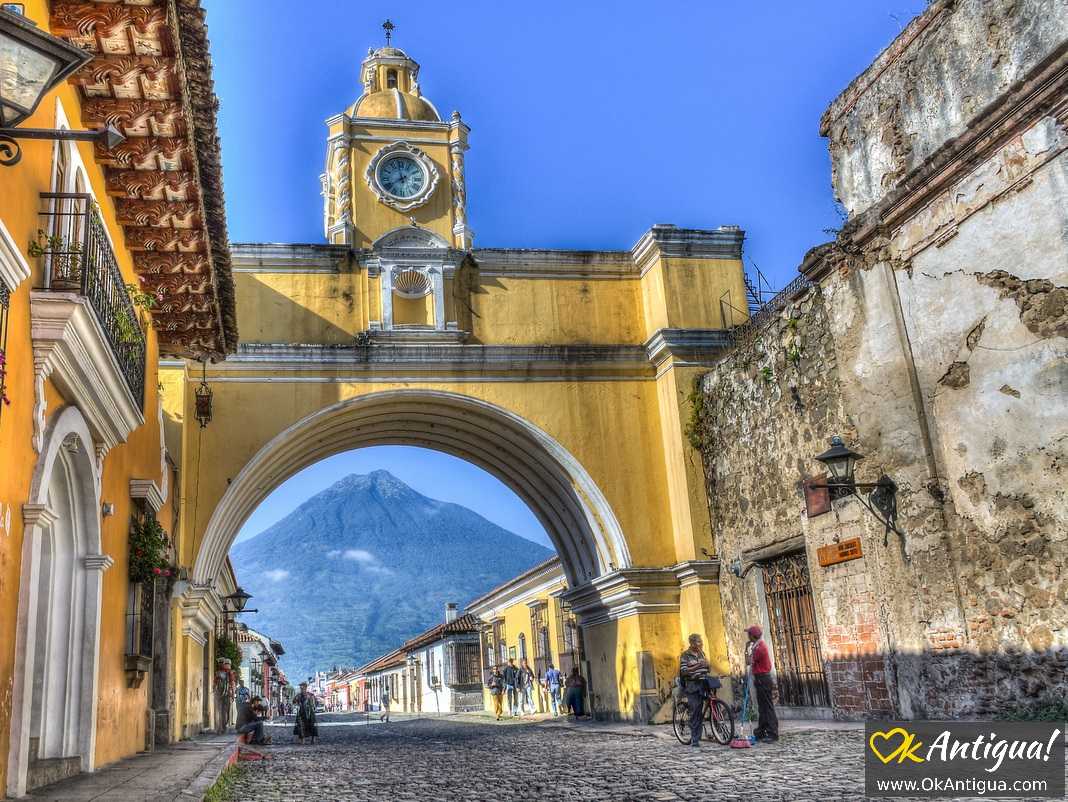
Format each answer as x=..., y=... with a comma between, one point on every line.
x=53, y=717
x=558, y=490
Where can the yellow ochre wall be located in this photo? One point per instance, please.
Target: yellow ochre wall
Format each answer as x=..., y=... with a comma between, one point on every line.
x=121, y=711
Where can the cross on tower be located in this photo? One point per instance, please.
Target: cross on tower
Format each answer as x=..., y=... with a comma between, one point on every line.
x=388, y=27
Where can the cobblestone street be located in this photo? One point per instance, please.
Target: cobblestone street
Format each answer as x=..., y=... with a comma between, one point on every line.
x=454, y=759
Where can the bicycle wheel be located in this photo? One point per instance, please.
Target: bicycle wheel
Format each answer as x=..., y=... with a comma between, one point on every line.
x=680, y=722
x=719, y=722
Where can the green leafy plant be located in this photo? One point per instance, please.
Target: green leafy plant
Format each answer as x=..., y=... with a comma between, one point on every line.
x=225, y=788
x=142, y=299
x=695, y=423
x=793, y=353
x=224, y=647
x=767, y=373
x=66, y=255
x=149, y=548
x=1049, y=708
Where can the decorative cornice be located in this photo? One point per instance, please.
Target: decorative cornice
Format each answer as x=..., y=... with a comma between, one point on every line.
x=448, y=359
x=38, y=515
x=14, y=268
x=148, y=491
x=201, y=607
x=624, y=593
x=518, y=589
x=69, y=345
x=545, y=263
x=687, y=346
x=672, y=242
x=98, y=562
x=697, y=572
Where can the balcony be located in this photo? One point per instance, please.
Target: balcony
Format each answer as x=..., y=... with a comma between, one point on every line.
x=87, y=336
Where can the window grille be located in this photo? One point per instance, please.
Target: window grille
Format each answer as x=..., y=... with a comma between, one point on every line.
x=569, y=638
x=539, y=626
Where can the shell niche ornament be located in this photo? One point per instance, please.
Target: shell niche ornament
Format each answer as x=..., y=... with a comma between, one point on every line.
x=402, y=176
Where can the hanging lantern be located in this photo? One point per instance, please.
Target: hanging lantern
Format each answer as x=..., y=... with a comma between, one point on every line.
x=203, y=397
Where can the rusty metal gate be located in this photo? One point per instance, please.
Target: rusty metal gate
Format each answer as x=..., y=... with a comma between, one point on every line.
x=794, y=636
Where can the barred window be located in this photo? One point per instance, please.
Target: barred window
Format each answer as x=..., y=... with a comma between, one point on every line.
x=462, y=664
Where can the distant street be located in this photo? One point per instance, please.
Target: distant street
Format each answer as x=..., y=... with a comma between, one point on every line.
x=472, y=761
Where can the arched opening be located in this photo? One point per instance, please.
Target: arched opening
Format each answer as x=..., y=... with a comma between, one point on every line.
x=554, y=485
x=53, y=721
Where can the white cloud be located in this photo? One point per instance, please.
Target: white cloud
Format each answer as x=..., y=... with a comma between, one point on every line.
x=276, y=575
x=334, y=553
x=361, y=556
x=367, y=561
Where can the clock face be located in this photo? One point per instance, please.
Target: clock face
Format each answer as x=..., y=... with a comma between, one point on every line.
x=401, y=176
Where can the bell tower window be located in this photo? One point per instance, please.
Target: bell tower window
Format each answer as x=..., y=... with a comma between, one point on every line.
x=391, y=79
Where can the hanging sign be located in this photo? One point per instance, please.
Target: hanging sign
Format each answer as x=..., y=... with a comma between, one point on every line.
x=842, y=552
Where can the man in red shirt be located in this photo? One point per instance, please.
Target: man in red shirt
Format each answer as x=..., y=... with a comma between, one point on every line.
x=760, y=662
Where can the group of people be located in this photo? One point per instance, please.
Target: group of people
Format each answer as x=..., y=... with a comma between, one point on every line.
x=515, y=685
x=253, y=713
x=697, y=682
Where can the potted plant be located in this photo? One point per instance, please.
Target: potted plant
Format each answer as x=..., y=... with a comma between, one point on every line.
x=149, y=548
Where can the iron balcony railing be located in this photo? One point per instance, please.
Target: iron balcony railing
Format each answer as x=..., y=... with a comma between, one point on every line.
x=79, y=258
x=748, y=327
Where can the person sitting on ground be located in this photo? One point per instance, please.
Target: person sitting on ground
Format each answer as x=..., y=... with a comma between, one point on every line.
x=496, y=689
x=576, y=691
x=693, y=671
x=250, y=720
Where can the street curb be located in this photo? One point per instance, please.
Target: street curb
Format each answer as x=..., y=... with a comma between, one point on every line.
x=208, y=775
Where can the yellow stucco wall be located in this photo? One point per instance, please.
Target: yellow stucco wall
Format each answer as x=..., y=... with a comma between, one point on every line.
x=121, y=711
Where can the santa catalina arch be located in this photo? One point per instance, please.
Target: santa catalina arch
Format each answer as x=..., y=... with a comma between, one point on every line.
x=567, y=374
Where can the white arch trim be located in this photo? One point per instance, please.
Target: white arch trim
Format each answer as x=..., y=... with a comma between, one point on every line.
x=549, y=479
x=67, y=429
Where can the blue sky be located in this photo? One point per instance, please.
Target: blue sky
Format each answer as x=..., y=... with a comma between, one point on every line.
x=591, y=121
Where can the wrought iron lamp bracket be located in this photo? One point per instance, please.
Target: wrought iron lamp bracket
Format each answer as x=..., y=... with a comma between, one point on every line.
x=881, y=500
x=11, y=151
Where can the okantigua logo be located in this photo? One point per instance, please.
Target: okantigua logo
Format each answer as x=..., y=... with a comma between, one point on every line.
x=935, y=759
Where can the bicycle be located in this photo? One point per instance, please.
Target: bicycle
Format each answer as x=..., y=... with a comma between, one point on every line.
x=718, y=720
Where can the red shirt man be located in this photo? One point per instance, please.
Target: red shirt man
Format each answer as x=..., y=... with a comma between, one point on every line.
x=761, y=658
x=760, y=663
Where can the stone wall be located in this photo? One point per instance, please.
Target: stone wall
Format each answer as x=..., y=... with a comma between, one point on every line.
x=948, y=66
x=936, y=343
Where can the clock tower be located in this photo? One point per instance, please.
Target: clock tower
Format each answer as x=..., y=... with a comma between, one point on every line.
x=391, y=161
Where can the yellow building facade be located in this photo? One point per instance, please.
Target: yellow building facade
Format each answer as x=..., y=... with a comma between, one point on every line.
x=86, y=668
x=564, y=373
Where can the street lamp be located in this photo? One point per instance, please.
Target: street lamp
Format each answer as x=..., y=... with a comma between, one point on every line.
x=239, y=598
x=841, y=462
x=33, y=62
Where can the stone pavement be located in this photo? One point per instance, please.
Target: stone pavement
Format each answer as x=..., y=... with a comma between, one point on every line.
x=182, y=771
x=474, y=760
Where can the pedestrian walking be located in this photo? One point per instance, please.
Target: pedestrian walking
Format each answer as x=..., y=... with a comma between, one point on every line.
x=304, y=706
x=496, y=689
x=553, y=680
x=576, y=692
x=693, y=671
x=511, y=686
x=385, y=704
x=526, y=688
x=758, y=658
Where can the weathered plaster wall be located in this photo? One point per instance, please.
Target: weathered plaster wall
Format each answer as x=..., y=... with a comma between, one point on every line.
x=949, y=63
x=936, y=345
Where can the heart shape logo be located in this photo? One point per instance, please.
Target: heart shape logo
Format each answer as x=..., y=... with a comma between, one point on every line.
x=886, y=736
